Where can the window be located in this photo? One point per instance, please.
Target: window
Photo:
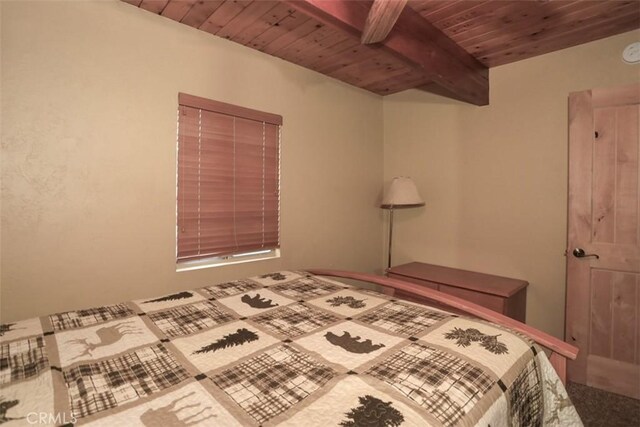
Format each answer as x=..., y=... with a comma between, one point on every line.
x=228, y=181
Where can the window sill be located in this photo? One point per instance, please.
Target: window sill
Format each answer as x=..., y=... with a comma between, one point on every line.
x=224, y=261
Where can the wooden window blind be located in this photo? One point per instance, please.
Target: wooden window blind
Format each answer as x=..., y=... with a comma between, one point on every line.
x=228, y=179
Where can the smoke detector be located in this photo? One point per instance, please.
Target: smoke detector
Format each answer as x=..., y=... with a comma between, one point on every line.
x=631, y=53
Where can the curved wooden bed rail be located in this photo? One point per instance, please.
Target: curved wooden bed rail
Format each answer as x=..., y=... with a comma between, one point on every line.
x=560, y=349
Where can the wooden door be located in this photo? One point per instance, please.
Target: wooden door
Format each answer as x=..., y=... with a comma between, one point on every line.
x=603, y=294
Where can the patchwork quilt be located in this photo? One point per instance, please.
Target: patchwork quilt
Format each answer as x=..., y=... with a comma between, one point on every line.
x=285, y=349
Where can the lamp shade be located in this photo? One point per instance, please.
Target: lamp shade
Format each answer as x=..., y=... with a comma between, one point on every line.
x=402, y=193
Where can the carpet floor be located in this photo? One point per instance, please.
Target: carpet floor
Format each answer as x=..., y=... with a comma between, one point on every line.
x=599, y=408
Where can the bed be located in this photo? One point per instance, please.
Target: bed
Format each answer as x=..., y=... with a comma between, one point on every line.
x=289, y=348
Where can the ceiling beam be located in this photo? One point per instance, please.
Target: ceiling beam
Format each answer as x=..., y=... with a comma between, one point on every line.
x=381, y=19
x=415, y=41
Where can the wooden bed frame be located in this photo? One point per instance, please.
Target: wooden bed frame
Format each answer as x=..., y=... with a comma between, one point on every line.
x=560, y=350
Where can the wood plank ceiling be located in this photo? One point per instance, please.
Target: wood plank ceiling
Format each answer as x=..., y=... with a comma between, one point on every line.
x=442, y=46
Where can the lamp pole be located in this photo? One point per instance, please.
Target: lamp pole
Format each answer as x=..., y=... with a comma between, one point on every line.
x=403, y=193
x=390, y=235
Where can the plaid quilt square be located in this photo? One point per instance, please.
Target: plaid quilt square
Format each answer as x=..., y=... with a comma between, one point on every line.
x=404, y=319
x=278, y=277
x=33, y=395
x=440, y=382
x=231, y=288
x=20, y=329
x=95, y=387
x=167, y=301
x=306, y=287
x=223, y=345
x=525, y=397
x=295, y=320
x=349, y=344
x=185, y=405
x=353, y=402
x=22, y=359
x=188, y=319
x=496, y=349
x=254, y=302
x=348, y=302
x=103, y=340
x=270, y=383
x=91, y=316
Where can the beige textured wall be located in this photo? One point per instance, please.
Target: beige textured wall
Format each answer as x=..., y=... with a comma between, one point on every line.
x=495, y=178
x=89, y=98
x=0, y=165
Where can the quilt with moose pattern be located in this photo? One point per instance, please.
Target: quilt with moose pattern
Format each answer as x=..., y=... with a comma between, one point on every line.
x=281, y=349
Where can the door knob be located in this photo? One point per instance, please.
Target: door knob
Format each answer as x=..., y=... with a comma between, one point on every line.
x=580, y=253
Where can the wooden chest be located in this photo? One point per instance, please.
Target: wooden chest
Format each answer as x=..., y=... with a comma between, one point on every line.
x=501, y=294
